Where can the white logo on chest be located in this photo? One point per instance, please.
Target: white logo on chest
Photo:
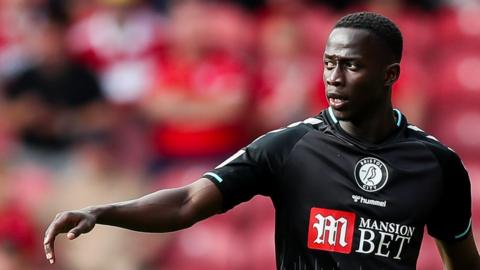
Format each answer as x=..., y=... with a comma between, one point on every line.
x=371, y=174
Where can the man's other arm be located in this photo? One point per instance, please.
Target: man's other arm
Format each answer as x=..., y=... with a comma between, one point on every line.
x=161, y=211
x=459, y=255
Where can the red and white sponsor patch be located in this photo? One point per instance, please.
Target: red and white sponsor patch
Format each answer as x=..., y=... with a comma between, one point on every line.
x=331, y=230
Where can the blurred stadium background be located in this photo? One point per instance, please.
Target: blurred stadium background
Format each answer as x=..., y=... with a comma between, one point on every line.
x=105, y=100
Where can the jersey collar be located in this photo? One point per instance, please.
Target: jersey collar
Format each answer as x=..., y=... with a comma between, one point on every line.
x=400, y=122
x=397, y=112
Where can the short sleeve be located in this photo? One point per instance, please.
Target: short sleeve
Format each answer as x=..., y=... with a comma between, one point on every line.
x=451, y=219
x=253, y=170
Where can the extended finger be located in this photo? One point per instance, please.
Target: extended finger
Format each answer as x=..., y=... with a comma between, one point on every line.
x=49, y=241
x=49, y=248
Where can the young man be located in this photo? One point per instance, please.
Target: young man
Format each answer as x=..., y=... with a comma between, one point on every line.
x=353, y=187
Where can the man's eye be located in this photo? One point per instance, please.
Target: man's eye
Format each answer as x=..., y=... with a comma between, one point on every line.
x=351, y=65
x=329, y=64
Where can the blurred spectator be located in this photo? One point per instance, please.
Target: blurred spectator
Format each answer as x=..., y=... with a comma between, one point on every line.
x=55, y=102
x=199, y=112
x=121, y=41
x=288, y=76
x=200, y=97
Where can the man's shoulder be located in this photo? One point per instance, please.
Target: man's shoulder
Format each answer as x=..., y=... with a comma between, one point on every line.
x=440, y=150
x=290, y=133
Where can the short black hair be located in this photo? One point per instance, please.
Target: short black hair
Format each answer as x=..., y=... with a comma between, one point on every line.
x=378, y=24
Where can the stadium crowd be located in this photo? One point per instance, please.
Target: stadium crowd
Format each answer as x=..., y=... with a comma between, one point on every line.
x=104, y=100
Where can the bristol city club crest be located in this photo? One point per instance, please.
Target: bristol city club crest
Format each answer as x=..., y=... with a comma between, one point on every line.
x=371, y=174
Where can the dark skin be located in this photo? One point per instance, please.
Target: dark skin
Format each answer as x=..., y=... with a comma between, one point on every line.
x=359, y=72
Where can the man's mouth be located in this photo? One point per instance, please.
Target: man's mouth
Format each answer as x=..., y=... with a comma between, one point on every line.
x=337, y=102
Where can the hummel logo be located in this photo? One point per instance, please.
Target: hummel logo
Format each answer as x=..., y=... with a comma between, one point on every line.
x=363, y=200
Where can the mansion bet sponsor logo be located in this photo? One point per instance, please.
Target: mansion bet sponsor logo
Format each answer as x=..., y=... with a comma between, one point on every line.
x=334, y=230
x=331, y=230
x=371, y=174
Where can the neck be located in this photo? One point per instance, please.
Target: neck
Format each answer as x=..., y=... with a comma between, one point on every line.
x=372, y=129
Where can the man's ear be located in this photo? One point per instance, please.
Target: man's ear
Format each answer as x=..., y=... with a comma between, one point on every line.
x=392, y=73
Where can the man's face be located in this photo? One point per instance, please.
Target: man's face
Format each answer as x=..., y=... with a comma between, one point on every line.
x=355, y=62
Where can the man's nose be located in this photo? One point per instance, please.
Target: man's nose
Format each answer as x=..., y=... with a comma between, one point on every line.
x=335, y=76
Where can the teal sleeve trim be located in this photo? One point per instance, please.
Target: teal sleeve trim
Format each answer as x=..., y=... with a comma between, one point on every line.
x=214, y=175
x=466, y=231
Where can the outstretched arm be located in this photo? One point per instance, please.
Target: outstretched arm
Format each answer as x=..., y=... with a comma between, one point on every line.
x=459, y=255
x=161, y=211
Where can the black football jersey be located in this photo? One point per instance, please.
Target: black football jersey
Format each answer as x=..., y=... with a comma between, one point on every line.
x=345, y=204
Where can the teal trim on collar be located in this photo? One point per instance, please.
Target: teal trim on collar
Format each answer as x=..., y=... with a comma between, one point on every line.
x=399, y=117
x=330, y=112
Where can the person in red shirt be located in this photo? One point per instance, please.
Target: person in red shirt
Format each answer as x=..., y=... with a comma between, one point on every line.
x=199, y=100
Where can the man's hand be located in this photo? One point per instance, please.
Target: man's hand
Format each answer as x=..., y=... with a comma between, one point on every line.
x=73, y=223
x=162, y=211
